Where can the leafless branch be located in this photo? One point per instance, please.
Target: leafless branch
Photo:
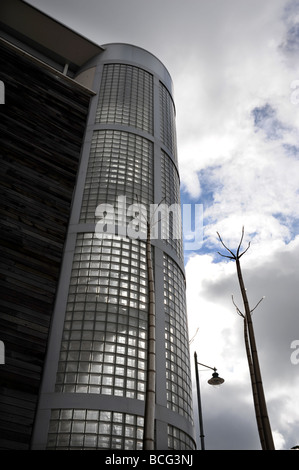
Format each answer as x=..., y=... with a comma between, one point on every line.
x=193, y=337
x=257, y=304
x=239, y=256
x=145, y=218
x=224, y=256
x=232, y=254
x=238, y=250
x=154, y=212
x=237, y=308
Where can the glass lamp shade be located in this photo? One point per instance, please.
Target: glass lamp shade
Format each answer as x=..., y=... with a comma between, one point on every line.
x=215, y=380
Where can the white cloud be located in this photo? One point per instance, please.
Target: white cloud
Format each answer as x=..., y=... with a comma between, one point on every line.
x=241, y=69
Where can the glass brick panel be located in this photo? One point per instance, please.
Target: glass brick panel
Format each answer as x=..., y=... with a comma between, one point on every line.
x=120, y=164
x=105, y=330
x=94, y=430
x=179, y=440
x=178, y=382
x=168, y=128
x=126, y=97
x=172, y=226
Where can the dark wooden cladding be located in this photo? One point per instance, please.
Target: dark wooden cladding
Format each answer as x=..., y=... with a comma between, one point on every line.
x=42, y=126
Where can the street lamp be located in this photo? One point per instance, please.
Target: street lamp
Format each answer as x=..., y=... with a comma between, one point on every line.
x=214, y=380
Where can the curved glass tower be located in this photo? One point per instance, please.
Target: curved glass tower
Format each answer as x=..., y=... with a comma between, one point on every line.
x=94, y=385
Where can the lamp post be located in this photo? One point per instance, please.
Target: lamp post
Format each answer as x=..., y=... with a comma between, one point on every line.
x=215, y=380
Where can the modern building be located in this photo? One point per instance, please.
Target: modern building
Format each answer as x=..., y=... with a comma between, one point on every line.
x=89, y=141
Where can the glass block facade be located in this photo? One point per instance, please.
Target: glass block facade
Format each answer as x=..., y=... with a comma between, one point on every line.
x=94, y=430
x=171, y=195
x=93, y=396
x=103, y=348
x=121, y=163
x=126, y=97
x=178, y=382
x=179, y=440
x=168, y=128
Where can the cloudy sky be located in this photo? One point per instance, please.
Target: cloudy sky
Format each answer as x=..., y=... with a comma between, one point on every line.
x=235, y=69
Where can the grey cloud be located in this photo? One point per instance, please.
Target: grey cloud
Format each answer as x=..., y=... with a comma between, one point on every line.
x=265, y=119
x=292, y=40
x=276, y=324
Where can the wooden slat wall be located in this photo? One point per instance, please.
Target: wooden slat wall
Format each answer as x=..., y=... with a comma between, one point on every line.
x=41, y=130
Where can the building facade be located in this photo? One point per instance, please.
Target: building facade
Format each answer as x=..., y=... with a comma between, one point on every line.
x=93, y=388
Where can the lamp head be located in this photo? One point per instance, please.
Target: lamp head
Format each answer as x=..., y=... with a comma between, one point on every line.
x=215, y=380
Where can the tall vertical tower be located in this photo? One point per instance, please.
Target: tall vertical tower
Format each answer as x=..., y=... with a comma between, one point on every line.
x=94, y=381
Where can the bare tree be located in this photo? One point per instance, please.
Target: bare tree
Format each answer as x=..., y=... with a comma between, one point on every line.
x=252, y=354
x=150, y=395
x=252, y=377
x=150, y=399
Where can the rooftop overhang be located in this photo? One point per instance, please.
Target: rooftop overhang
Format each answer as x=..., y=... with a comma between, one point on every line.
x=47, y=36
